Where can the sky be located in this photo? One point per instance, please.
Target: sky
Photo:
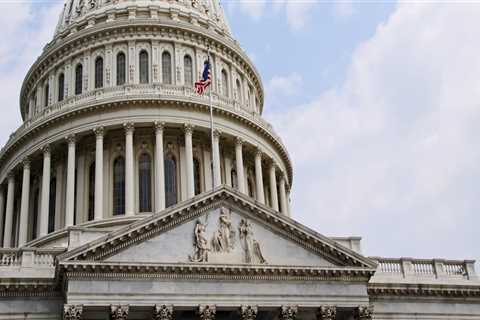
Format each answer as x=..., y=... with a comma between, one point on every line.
x=378, y=103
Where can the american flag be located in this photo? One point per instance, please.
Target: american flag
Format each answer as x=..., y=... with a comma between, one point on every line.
x=202, y=84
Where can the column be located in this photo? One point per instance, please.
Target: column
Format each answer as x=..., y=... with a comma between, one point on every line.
x=259, y=176
x=207, y=312
x=45, y=204
x=283, y=196
x=72, y=312
x=228, y=171
x=163, y=312
x=60, y=196
x=327, y=313
x=363, y=313
x=189, y=160
x=273, y=187
x=23, y=225
x=129, y=175
x=239, y=164
x=7, y=235
x=2, y=212
x=159, y=168
x=217, y=178
x=248, y=312
x=98, y=210
x=119, y=312
x=70, y=193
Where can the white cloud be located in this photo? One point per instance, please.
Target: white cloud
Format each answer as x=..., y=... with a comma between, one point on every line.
x=394, y=152
x=253, y=8
x=26, y=28
x=285, y=85
x=298, y=13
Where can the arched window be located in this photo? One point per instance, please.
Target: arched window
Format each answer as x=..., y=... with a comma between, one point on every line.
x=78, y=79
x=51, y=205
x=188, y=70
x=91, y=192
x=121, y=69
x=145, y=182
x=99, y=73
x=239, y=91
x=143, y=67
x=61, y=87
x=233, y=176
x=46, y=93
x=196, y=176
x=119, y=186
x=166, y=67
x=170, y=180
x=224, y=83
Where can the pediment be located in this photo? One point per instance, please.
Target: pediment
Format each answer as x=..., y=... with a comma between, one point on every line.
x=218, y=228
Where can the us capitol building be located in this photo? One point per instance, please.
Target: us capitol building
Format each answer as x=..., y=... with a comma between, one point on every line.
x=116, y=203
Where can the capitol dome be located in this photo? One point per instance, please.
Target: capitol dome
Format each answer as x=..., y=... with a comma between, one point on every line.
x=113, y=130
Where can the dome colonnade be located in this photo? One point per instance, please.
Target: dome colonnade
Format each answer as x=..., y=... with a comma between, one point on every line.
x=112, y=126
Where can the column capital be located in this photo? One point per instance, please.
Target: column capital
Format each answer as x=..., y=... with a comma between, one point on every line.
x=207, y=312
x=71, y=139
x=326, y=313
x=163, y=312
x=188, y=128
x=46, y=150
x=273, y=164
x=129, y=127
x=217, y=133
x=159, y=126
x=288, y=312
x=11, y=176
x=119, y=312
x=248, y=312
x=239, y=141
x=72, y=312
x=26, y=163
x=258, y=152
x=364, y=312
x=99, y=132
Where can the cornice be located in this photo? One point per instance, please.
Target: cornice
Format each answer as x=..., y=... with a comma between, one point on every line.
x=68, y=113
x=171, y=29
x=31, y=288
x=117, y=271
x=423, y=290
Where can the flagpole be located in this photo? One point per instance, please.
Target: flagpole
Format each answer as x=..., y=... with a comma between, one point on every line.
x=211, y=121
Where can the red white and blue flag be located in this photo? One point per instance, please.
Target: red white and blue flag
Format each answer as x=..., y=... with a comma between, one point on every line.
x=202, y=84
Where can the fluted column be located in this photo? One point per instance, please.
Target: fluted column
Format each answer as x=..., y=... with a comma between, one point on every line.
x=217, y=178
x=259, y=176
x=98, y=210
x=119, y=312
x=327, y=313
x=189, y=160
x=239, y=165
x=2, y=213
x=23, y=226
x=273, y=187
x=45, y=204
x=283, y=196
x=129, y=193
x=159, y=167
x=72, y=312
x=7, y=235
x=70, y=194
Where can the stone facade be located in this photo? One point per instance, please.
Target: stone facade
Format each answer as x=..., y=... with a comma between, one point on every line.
x=118, y=201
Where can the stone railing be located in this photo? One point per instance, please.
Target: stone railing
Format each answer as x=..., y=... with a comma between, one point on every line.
x=28, y=262
x=414, y=269
x=134, y=91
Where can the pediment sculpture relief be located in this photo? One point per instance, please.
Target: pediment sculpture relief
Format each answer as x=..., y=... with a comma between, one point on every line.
x=223, y=241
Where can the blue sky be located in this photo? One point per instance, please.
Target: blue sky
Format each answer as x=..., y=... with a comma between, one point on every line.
x=377, y=102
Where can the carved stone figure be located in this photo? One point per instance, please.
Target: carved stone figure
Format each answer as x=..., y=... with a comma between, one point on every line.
x=251, y=247
x=119, y=312
x=163, y=312
x=248, y=312
x=72, y=312
x=327, y=313
x=207, y=312
x=364, y=313
x=200, y=244
x=224, y=238
x=288, y=312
